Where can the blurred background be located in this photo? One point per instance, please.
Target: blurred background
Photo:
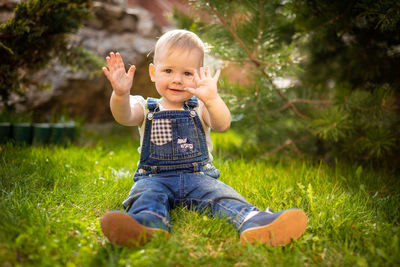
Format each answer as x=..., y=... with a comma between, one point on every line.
x=302, y=78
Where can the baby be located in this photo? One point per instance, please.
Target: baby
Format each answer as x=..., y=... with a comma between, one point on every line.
x=175, y=166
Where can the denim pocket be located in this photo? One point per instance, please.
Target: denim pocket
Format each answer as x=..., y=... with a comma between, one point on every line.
x=186, y=143
x=161, y=132
x=183, y=143
x=161, y=139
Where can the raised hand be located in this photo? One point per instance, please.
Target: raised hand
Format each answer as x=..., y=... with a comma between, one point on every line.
x=120, y=80
x=206, y=85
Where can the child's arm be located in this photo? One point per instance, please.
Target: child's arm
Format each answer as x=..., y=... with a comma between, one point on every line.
x=216, y=114
x=121, y=82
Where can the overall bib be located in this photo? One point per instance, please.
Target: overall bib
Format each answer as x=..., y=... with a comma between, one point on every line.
x=174, y=169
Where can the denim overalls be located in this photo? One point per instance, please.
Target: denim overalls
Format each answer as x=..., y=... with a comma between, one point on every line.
x=174, y=169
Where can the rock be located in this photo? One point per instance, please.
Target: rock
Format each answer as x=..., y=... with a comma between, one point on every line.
x=128, y=23
x=146, y=22
x=114, y=12
x=131, y=32
x=6, y=10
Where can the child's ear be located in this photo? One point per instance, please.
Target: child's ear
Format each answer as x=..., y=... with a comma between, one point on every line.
x=152, y=71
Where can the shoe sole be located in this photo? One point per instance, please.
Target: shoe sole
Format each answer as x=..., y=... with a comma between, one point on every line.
x=122, y=229
x=289, y=225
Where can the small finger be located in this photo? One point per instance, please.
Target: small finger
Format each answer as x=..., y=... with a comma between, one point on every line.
x=201, y=75
x=106, y=72
x=131, y=71
x=216, y=76
x=207, y=71
x=112, y=58
x=119, y=61
x=109, y=65
x=190, y=90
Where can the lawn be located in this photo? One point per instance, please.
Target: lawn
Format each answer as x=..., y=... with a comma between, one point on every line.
x=51, y=199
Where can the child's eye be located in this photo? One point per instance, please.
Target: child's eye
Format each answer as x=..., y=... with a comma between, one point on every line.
x=188, y=73
x=168, y=70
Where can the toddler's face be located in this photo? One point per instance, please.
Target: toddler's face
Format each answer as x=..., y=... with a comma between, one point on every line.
x=174, y=71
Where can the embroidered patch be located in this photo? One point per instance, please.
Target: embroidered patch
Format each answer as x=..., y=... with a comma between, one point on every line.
x=161, y=132
x=183, y=144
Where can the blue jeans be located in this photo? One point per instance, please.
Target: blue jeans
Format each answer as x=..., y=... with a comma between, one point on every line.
x=152, y=196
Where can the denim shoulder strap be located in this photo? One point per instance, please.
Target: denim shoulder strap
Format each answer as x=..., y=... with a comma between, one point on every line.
x=191, y=103
x=152, y=104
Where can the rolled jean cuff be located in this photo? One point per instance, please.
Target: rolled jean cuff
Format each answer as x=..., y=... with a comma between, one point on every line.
x=152, y=219
x=238, y=222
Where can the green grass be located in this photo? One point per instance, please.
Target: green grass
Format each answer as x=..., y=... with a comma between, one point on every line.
x=51, y=199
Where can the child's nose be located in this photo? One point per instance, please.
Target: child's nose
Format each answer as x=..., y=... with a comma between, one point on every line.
x=177, y=78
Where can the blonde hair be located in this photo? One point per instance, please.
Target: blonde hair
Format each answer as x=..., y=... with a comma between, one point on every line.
x=179, y=39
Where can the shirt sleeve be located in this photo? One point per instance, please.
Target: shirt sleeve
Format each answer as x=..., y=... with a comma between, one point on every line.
x=200, y=112
x=137, y=99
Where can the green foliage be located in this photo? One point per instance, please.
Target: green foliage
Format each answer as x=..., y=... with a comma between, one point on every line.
x=332, y=124
x=352, y=50
x=356, y=42
x=51, y=200
x=36, y=34
x=384, y=14
x=341, y=58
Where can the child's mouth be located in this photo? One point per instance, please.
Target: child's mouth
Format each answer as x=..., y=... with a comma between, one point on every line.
x=175, y=90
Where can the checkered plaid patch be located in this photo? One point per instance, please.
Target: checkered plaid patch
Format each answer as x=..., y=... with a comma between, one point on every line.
x=161, y=132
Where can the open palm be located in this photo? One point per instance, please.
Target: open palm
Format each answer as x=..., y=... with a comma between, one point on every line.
x=120, y=80
x=206, y=85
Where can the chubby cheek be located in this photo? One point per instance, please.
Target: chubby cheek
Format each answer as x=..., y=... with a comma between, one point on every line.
x=161, y=83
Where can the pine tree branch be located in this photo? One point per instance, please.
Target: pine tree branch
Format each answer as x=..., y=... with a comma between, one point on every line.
x=314, y=102
x=297, y=150
x=308, y=101
x=253, y=59
x=287, y=100
x=277, y=149
x=240, y=60
x=231, y=31
x=279, y=109
x=294, y=142
x=288, y=142
x=391, y=108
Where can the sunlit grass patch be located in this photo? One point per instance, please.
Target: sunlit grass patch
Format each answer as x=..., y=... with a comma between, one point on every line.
x=51, y=199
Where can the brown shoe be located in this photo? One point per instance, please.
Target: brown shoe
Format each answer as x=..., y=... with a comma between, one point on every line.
x=282, y=228
x=122, y=229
